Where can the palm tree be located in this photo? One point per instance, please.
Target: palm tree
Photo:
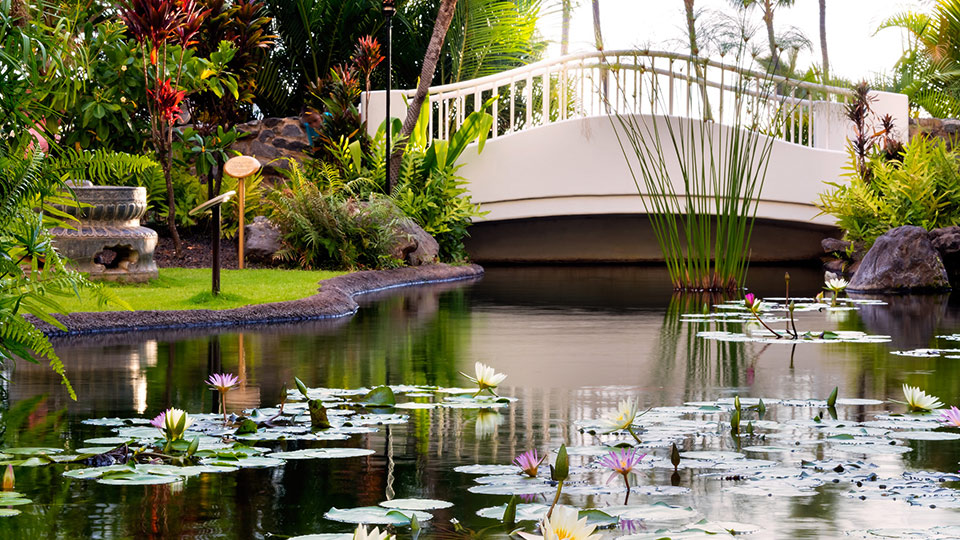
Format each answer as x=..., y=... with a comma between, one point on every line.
x=444, y=18
x=823, y=41
x=566, y=6
x=929, y=70
x=488, y=37
x=768, y=7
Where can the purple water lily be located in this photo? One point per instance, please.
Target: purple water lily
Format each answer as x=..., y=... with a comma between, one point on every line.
x=223, y=382
x=529, y=462
x=622, y=462
x=951, y=417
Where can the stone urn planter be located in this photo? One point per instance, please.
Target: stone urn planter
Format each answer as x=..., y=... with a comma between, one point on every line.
x=108, y=243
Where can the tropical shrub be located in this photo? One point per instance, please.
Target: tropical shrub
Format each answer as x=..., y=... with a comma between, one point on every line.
x=922, y=188
x=333, y=230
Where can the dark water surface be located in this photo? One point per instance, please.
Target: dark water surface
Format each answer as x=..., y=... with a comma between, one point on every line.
x=573, y=342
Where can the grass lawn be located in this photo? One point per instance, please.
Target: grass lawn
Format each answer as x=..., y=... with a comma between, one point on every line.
x=189, y=288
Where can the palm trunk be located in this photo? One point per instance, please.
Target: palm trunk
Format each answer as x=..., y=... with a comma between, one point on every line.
x=823, y=41
x=444, y=16
x=695, y=51
x=771, y=36
x=598, y=41
x=565, y=29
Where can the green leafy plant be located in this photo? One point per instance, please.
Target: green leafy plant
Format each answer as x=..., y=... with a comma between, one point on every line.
x=334, y=230
x=922, y=188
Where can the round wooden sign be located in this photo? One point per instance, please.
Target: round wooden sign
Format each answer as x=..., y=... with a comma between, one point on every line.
x=219, y=199
x=241, y=166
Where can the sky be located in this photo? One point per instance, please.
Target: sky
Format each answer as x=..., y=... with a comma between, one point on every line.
x=855, y=52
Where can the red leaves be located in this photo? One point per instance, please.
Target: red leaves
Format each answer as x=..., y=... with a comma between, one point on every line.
x=156, y=22
x=166, y=101
x=366, y=55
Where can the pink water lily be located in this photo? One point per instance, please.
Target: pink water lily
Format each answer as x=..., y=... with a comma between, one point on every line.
x=529, y=462
x=951, y=417
x=223, y=382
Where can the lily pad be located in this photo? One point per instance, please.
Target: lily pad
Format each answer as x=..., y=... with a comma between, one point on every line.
x=375, y=515
x=322, y=453
x=32, y=451
x=416, y=504
x=926, y=435
x=8, y=512
x=487, y=469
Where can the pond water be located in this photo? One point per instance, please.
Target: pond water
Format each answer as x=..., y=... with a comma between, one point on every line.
x=574, y=341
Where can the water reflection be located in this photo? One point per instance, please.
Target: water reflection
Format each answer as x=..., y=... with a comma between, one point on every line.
x=574, y=341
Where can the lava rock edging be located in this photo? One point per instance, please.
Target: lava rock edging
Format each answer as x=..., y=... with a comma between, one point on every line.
x=334, y=299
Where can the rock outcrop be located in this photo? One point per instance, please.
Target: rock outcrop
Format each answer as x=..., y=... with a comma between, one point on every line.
x=947, y=241
x=901, y=260
x=261, y=240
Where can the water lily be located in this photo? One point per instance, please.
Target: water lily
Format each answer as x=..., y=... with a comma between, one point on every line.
x=564, y=524
x=920, y=401
x=172, y=423
x=528, y=462
x=223, y=382
x=836, y=286
x=951, y=417
x=487, y=422
x=622, y=462
x=487, y=378
x=622, y=418
x=754, y=305
x=373, y=534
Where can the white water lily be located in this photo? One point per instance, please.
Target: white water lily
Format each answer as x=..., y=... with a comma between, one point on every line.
x=487, y=422
x=836, y=285
x=373, y=534
x=487, y=378
x=918, y=400
x=564, y=525
x=622, y=418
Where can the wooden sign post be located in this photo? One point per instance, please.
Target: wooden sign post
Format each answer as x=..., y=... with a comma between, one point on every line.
x=215, y=203
x=241, y=168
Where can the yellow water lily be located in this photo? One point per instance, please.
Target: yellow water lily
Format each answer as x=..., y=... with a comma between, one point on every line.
x=918, y=400
x=564, y=524
x=487, y=378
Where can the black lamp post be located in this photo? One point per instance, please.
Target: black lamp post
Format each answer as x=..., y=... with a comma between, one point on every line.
x=389, y=9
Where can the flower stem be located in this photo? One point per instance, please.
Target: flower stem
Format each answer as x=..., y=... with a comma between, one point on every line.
x=626, y=480
x=555, y=498
x=630, y=430
x=765, y=325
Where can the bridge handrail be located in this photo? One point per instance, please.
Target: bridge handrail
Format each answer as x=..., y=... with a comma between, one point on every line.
x=537, y=67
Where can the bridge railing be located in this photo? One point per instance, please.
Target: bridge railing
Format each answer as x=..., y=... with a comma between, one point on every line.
x=643, y=82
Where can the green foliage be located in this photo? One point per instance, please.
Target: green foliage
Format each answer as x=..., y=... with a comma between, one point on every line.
x=322, y=230
x=254, y=204
x=929, y=70
x=922, y=188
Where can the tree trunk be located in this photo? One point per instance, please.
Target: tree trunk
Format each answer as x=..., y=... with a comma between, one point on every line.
x=598, y=41
x=565, y=29
x=430, y=59
x=771, y=36
x=695, y=51
x=823, y=41
x=171, y=199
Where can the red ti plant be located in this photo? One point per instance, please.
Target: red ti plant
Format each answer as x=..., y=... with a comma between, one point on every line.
x=155, y=24
x=366, y=58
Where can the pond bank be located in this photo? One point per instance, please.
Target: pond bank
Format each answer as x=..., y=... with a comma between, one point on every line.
x=334, y=299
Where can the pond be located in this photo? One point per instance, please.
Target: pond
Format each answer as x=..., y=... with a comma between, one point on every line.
x=573, y=342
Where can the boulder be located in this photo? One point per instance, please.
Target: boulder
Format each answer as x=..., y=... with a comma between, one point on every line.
x=902, y=259
x=273, y=141
x=425, y=247
x=261, y=240
x=947, y=241
x=835, y=246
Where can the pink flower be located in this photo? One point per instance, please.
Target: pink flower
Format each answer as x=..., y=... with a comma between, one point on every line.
x=222, y=382
x=622, y=462
x=158, y=421
x=528, y=462
x=951, y=417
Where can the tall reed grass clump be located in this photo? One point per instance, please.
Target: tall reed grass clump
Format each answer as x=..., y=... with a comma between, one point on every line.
x=701, y=181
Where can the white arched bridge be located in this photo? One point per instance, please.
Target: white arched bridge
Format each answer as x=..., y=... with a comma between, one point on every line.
x=552, y=176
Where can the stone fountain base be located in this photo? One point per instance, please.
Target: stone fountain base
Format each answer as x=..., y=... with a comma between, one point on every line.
x=108, y=244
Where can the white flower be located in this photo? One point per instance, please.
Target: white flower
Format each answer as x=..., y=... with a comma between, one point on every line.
x=487, y=422
x=374, y=534
x=623, y=417
x=487, y=378
x=836, y=285
x=918, y=400
x=564, y=525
